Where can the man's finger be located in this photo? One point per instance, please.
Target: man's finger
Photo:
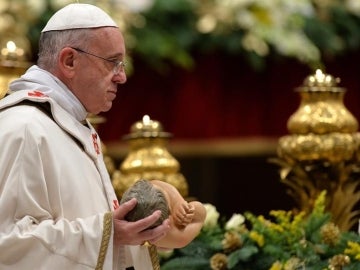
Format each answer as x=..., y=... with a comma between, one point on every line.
x=146, y=222
x=125, y=208
x=158, y=232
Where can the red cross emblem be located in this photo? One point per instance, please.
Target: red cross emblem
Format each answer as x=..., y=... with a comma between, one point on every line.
x=96, y=145
x=36, y=94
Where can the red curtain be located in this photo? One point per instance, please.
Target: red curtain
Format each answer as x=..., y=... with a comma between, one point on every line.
x=222, y=97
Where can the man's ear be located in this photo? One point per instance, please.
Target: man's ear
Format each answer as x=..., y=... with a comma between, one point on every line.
x=67, y=62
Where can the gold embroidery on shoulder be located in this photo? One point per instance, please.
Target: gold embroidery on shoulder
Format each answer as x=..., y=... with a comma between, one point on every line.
x=107, y=224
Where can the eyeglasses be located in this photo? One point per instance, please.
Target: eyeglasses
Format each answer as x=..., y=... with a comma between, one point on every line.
x=118, y=65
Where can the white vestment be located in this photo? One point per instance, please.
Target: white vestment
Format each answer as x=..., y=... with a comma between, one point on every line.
x=56, y=196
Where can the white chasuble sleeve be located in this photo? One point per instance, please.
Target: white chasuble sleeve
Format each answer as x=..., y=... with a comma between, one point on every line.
x=54, y=213
x=139, y=257
x=60, y=245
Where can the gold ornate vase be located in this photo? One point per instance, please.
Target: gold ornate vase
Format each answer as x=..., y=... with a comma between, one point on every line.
x=148, y=158
x=321, y=152
x=14, y=52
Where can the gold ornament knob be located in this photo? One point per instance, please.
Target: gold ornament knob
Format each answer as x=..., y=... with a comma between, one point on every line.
x=320, y=79
x=147, y=128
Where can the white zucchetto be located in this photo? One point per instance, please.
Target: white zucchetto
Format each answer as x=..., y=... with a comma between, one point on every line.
x=76, y=16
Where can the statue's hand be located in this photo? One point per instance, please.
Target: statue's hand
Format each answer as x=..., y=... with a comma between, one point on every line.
x=183, y=214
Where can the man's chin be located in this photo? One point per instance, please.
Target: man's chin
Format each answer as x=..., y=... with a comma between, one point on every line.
x=107, y=107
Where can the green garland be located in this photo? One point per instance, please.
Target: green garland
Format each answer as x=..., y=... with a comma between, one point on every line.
x=287, y=241
x=173, y=33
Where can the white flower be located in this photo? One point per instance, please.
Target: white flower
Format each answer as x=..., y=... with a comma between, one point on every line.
x=353, y=6
x=4, y=5
x=253, y=42
x=234, y=222
x=212, y=216
x=136, y=5
x=206, y=23
x=36, y=7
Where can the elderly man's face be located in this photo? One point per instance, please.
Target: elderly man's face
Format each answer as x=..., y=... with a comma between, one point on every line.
x=95, y=83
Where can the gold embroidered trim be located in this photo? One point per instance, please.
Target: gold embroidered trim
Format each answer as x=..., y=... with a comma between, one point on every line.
x=107, y=224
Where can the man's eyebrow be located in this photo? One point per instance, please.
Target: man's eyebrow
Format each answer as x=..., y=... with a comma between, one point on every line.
x=116, y=56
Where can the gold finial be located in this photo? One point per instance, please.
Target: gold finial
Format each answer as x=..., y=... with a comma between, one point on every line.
x=320, y=79
x=147, y=128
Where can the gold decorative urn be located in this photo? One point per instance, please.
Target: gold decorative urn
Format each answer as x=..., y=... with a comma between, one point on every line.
x=322, y=150
x=148, y=158
x=14, y=52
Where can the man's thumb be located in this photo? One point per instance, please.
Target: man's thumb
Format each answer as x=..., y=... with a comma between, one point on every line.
x=124, y=208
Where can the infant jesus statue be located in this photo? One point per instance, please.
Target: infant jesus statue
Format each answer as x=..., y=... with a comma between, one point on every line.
x=186, y=218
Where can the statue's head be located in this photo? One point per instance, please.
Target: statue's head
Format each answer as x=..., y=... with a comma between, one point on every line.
x=149, y=198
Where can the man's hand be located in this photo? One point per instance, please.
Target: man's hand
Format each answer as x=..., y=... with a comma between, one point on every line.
x=134, y=233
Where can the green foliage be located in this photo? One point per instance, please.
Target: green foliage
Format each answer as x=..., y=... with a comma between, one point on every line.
x=173, y=33
x=186, y=263
x=303, y=31
x=284, y=241
x=244, y=255
x=168, y=34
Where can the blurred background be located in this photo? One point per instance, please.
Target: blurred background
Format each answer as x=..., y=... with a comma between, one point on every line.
x=219, y=75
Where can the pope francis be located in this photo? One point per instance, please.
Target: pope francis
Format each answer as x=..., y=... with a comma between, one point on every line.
x=58, y=209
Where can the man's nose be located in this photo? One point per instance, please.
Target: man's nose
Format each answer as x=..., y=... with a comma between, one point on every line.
x=120, y=78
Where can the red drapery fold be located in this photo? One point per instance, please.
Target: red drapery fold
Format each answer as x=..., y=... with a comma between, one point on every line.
x=222, y=97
